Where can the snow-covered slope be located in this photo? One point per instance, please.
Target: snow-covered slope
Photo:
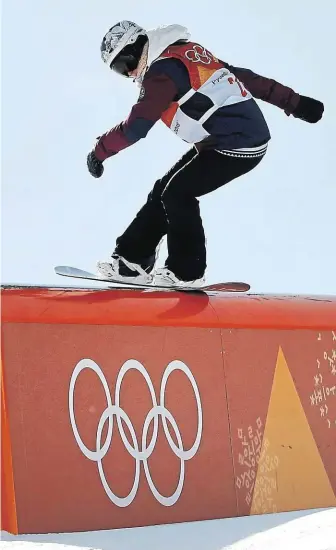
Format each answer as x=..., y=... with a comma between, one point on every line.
x=307, y=530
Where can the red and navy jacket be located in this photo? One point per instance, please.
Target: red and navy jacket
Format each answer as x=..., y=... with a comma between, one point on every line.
x=241, y=125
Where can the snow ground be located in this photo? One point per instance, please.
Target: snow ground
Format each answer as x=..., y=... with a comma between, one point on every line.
x=302, y=530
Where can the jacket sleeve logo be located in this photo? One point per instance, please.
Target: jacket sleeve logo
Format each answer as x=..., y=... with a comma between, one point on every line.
x=142, y=93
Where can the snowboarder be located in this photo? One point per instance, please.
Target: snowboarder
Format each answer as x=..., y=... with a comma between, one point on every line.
x=207, y=103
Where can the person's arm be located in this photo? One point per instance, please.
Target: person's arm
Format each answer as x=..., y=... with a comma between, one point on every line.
x=271, y=91
x=157, y=92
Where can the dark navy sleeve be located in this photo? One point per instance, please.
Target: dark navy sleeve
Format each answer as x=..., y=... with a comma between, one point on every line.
x=267, y=89
x=158, y=91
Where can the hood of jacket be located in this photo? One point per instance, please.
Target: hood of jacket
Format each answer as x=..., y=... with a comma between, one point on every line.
x=159, y=39
x=162, y=37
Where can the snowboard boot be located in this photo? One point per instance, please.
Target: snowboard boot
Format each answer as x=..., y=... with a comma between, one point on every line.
x=165, y=277
x=122, y=270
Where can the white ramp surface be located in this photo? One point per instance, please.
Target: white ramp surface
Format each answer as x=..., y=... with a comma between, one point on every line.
x=24, y=545
x=306, y=530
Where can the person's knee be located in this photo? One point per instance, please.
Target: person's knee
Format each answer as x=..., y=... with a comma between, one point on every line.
x=167, y=196
x=173, y=195
x=157, y=190
x=174, y=199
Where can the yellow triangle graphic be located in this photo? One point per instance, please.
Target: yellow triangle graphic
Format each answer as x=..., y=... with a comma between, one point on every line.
x=291, y=474
x=204, y=74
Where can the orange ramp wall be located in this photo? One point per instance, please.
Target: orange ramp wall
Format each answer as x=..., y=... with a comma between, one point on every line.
x=124, y=408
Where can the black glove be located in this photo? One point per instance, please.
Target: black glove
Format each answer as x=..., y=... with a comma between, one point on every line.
x=95, y=165
x=308, y=109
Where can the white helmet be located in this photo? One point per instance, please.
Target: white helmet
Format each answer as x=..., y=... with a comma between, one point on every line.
x=117, y=38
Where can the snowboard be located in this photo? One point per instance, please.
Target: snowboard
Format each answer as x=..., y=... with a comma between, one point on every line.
x=67, y=271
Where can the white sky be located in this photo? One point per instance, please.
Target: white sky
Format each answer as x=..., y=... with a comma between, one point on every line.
x=274, y=228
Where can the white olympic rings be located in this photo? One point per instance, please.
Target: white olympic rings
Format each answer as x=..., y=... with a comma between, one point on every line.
x=143, y=452
x=198, y=55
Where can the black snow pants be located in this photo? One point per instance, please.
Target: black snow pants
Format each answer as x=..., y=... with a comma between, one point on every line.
x=172, y=209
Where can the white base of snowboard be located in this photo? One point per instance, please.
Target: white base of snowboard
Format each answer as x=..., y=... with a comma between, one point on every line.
x=66, y=271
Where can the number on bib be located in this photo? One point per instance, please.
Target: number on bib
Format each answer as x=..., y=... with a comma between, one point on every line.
x=236, y=81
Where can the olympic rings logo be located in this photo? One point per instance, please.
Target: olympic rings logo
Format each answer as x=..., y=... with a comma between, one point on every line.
x=139, y=451
x=198, y=55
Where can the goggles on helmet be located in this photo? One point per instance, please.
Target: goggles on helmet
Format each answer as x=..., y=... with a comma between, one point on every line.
x=128, y=59
x=124, y=64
